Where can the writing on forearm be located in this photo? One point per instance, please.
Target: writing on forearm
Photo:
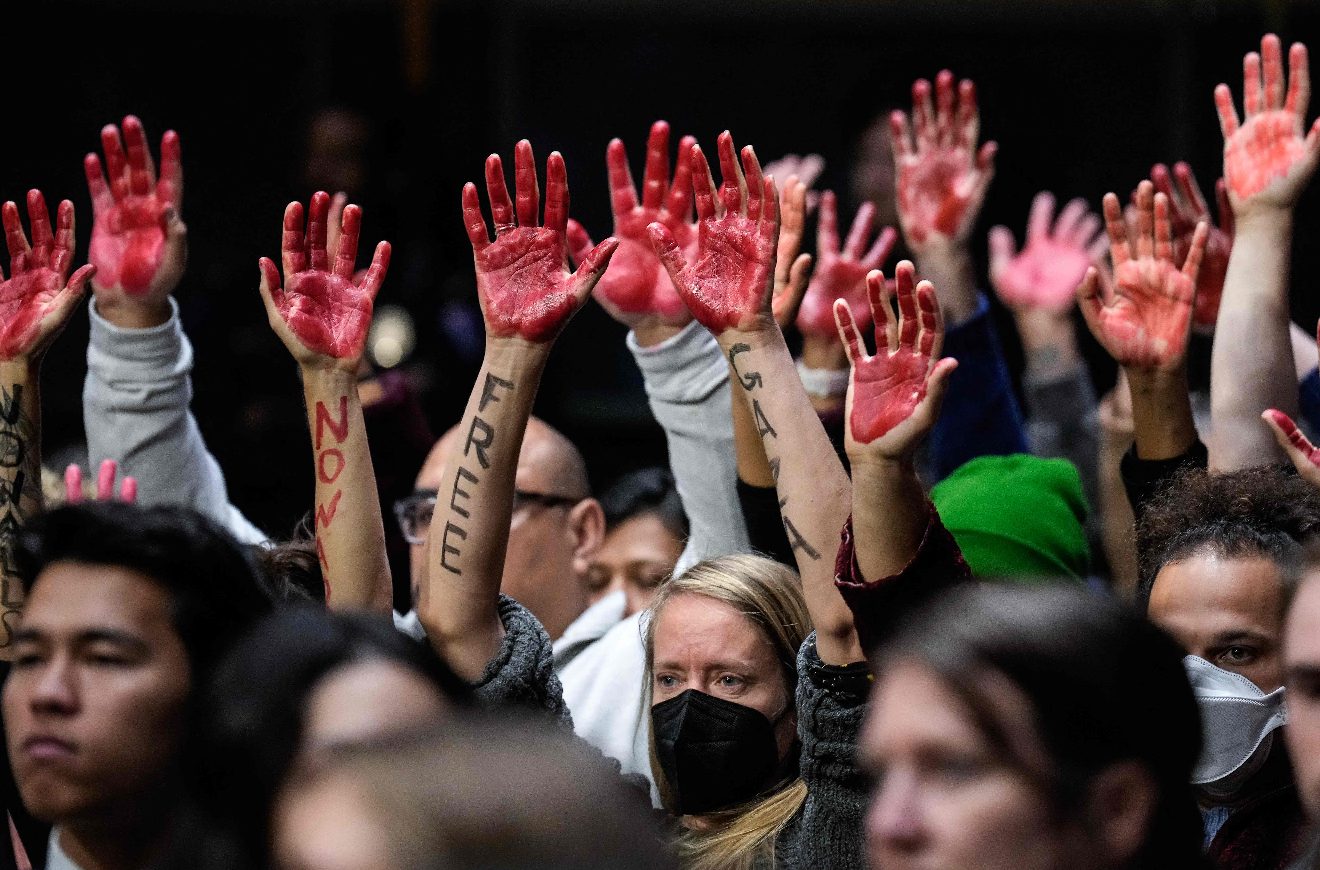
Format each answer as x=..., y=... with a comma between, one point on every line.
x=330, y=465
x=752, y=381
x=481, y=436
x=16, y=483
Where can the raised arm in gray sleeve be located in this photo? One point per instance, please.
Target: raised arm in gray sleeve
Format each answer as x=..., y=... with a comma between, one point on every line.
x=687, y=383
x=135, y=411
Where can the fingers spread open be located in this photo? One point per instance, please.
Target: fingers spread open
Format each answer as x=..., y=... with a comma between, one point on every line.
x=317, y=218
x=969, y=117
x=1065, y=228
x=1191, y=191
x=656, y=175
x=732, y=185
x=1146, y=219
x=670, y=254
x=703, y=185
x=170, y=186
x=1116, y=227
x=860, y=232
x=346, y=255
x=65, y=237
x=73, y=491
x=1299, y=83
x=579, y=241
x=593, y=265
x=923, y=114
x=944, y=106
x=14, y=238
x=1002, y=250
x=679, y=202
x=852, y=341
x=754, y=182
x=116, y=165
x=105, y=480
x=473, y=221
x=622, y=195
x=293, y=244
x=43, y=241
x=1038, y=219
x=1271, y=55
x=930, y=335
x=1290, y=438
x=908, y=324
x=900, y=136
x=1192, y=267
x=1228, y=117
x=501, y=207
x=380, y=264
x=1251, y=88
x=141, y=172
x=96, y=184
x=556, y=193
x=1163, y=230
x=880, y=251
x=527, y=188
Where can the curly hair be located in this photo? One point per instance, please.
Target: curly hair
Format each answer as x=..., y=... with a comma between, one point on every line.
x=1262, y=511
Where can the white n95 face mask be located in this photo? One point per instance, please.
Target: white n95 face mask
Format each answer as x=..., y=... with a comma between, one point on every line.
x=1238, y=721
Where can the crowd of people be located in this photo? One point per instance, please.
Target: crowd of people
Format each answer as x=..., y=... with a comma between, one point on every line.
x=877, y=611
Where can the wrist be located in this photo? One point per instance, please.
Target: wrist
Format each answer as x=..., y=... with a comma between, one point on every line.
x=516, y=354
x=757, y=339
x=21, y=369
x=328, y=378
x=882, y=467
x=127, y=314
x=1144, y=383
x=1262, y=219
x=823, y=353
x=652, y=331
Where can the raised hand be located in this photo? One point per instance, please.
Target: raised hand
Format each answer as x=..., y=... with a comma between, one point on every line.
x=105, y=484
x=729, y=283
x=1187, y=208
x=807, y=168
x=1046, y=272
x=1304, y=455
x=1269, y=157
x=894, y=396
x=36, y=300
x=635, y=287
x=792, y=268
x=523, y=282
x=321, y=313
x=1145, y=324
x=139, y=244
x=942, y=177
x=841, y=271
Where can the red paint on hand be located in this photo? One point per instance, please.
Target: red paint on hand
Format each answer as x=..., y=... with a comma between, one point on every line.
x=1187, y=208
x=888, y=387
x=942, y=177
x=131, y=212
x=523, y=281
x=35, y=300
x=1270, y=157
x=1046, y=272
x=636, y=285
x=729, y=282
x=841, y=272
x=105, y=484
x=1145, y=325
x=327, y=309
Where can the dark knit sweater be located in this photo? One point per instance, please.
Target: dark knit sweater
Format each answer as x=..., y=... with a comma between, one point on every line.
x=826, y=832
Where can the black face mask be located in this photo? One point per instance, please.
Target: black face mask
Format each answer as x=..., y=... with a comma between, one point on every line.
x=714, y=753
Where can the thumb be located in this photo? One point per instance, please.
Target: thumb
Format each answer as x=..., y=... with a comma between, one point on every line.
x=937, y=385
x=1002, y=248
x=579, y=241
x=591, y=267
x=1298, y=447
x=669, y=253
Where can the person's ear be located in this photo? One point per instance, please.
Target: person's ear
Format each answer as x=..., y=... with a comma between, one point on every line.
x=586, y=523
x=1120, y=809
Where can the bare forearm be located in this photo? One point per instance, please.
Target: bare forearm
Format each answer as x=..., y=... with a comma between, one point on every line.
x=753, y=466
x=350, y=535
x=470, y=529
x=20, y=481
x=889, y=516
x=948, y=265
x=814, y=491
x=1252, y=363
x=1162, y=423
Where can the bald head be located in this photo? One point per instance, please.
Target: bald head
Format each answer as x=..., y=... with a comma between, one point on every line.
x=547, y=463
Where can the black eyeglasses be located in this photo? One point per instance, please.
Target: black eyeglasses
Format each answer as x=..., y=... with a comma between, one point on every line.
x=414, y=513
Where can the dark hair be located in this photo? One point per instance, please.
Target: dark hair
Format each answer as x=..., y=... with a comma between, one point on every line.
x=253, y=718
x=292, y=568
x=1261, y=511
x=215, y=589
x=1104, y=684
x=462, y=796
x=648, y=490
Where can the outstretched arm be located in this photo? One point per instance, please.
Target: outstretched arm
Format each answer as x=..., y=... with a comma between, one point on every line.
x=681, y=365
x=728, y=287
x=893, y=400
x=1145, y=320
x=942, y=181
x=1269, y=159
x=138, y=387
x=322, y=313
x=36, y=301
x=527, y=296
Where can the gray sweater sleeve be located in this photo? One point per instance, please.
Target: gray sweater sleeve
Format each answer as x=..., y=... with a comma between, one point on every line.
x=522, y=673
x=687, y=383
x=135, y=411
x=831, y=702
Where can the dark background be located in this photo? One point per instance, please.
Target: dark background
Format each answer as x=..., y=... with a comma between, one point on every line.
x=1082, y=97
